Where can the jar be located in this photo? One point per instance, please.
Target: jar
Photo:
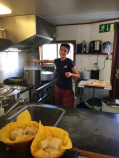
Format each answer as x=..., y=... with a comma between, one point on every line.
x=95, y=72
x=87, y=74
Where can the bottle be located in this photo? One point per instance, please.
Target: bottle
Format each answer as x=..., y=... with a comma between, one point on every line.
x=95, y=72
x=84, y=49
x=2, y=118
x=1, y=77
x=81, y=74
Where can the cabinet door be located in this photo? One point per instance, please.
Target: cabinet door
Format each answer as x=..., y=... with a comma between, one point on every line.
x=115, y=65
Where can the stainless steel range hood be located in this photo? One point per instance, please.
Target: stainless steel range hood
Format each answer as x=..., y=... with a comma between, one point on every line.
x=27, y=32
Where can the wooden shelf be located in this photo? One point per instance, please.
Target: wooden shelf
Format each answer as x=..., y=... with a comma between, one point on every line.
x=92, y=53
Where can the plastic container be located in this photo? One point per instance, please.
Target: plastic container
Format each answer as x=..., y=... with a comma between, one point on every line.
x=110, y=105
x=87, y=74
x=97, y=104
x=106, y=47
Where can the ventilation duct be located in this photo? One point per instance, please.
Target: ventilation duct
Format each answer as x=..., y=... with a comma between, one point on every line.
x=26, y=32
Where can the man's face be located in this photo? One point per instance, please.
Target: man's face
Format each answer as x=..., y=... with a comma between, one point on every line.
x=63, y=52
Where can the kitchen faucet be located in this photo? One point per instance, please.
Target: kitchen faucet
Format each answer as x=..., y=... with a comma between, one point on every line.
x=19, y=100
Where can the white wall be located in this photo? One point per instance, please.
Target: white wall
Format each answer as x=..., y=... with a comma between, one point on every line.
x=89, y=32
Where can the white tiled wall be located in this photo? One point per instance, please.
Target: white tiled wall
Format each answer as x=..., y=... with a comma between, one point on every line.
x=87, y=61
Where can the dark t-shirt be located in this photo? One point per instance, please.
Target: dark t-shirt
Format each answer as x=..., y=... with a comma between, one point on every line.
x=61, y=68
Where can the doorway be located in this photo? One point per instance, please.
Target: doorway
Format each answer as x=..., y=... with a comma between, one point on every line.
x=114, y=93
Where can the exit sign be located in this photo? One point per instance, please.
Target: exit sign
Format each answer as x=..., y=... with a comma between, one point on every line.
x=106, y=27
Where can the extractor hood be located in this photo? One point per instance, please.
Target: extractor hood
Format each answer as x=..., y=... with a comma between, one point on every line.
x=27, y=32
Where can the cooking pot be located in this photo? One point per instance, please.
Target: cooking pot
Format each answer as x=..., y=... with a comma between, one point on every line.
x=47, y=75
x=32, y=76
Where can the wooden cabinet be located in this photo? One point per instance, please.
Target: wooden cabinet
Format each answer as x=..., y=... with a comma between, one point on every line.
x=4, y=43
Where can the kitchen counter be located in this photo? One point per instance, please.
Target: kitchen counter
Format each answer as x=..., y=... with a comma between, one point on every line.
x=89, y=130
x=92, y=130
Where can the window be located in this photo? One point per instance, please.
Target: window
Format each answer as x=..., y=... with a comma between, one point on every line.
x=51, y=51
x=9, y=63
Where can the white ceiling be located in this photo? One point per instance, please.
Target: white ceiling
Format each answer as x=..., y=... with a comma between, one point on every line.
x=61, y=12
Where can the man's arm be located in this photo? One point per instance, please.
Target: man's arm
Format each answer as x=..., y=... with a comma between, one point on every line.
x=44, y=61
x=41, y=61
x=74, y=73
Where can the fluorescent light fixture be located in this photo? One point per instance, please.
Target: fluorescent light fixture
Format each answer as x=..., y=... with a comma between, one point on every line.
x=12, y=50
x=4, y=10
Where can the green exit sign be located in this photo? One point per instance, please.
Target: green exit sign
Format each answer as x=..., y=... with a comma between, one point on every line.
x=106, y=27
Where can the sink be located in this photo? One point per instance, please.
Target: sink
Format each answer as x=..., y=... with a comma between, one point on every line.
x=50, y=115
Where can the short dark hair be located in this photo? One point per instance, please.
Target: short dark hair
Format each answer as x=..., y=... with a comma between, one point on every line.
x=65, y=45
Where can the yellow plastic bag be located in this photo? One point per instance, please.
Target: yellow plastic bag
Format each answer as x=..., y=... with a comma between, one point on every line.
x=23, y=120
x=46, y=131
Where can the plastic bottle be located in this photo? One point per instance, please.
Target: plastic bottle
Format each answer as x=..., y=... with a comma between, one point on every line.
x=95, y=72
x=2, y=119
x=81, y=74
x=1, y=77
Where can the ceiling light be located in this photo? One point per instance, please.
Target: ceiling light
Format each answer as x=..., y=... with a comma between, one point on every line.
x=4, y=10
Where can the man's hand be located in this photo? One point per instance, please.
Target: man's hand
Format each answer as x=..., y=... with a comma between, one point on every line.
x=68, y=74
x=32, y=61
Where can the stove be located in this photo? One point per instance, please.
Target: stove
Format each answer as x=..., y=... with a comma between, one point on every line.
x=41, y=93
